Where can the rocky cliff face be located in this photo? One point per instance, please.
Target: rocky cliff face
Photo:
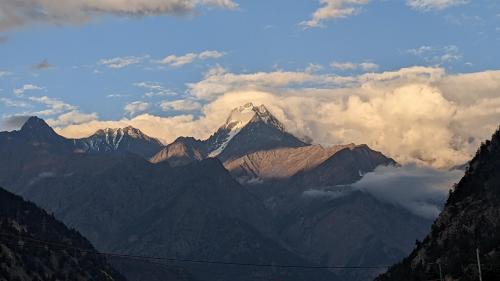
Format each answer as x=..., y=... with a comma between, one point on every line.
x=469, y=221
x=23, y=257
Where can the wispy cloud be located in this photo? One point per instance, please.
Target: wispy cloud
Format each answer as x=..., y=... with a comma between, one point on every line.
x=344, y=66
x=136, y=107
x=149, y=85
x=334, y=9
x=27, y=87
x=4, y=73
x=54, y=106
x=13, y=103
x=313, y=67
x=121, y=62
x=73, y=117
x=180, y=105
x=17, y=13
x=427, y=5
x=438, y=55
x=177, y=61
x=117, y=96
x=155, y=89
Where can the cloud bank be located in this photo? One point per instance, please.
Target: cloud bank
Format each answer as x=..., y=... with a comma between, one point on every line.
x=420, y=190
x=17, y=13
x=414, y=115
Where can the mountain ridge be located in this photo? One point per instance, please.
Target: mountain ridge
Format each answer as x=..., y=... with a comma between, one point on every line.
x=470, y=220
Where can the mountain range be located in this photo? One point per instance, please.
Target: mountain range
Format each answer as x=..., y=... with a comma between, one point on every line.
x=250, y=193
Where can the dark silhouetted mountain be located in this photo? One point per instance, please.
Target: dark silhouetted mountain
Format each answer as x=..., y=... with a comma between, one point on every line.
x=125, y=204
x=469, y=221
x=35, y=134
x=126, y=139
x=23, y=258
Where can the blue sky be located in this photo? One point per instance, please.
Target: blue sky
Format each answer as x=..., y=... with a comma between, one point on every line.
x=237, y=37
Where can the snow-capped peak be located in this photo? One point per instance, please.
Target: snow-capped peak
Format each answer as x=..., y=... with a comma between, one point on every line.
x=120, y=132
x=242, y=115
x=238, y=119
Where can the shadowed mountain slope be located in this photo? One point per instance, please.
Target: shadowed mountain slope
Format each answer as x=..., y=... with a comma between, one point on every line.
x=22, y=258
x=469, y=221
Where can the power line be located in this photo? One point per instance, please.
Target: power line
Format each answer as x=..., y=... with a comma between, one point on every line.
x=177, y=260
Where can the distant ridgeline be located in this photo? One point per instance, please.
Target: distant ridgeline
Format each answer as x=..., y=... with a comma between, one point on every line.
x=23, y=258
x=470, y=221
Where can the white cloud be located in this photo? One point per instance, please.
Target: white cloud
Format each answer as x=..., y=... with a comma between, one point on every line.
x=313, y=67
x=149, y=85
x=73, y=117
x=4, y=73
x=13, y=103
x=121, y=62
x=437, y=55
x=334, y=9
x=177, y=61
x=156, y=89
x=26, y=87
x=162, y=93
x=116, y=96
x=344, y=66
x=180, y=105
x=54, y=106
x=16, y=13
x=210, y=55
x=420, y=190
x=218, y=81
x=136, y=107
x=417, y=114
x=426, y=5
x=368, y=66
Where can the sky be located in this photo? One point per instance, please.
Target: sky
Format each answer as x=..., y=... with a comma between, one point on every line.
x=418, y=80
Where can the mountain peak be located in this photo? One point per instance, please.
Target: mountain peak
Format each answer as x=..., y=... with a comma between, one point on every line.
x=35, y=123
x=247, y=113
x=125, y=131
x=128, y=139
x=38, y=128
